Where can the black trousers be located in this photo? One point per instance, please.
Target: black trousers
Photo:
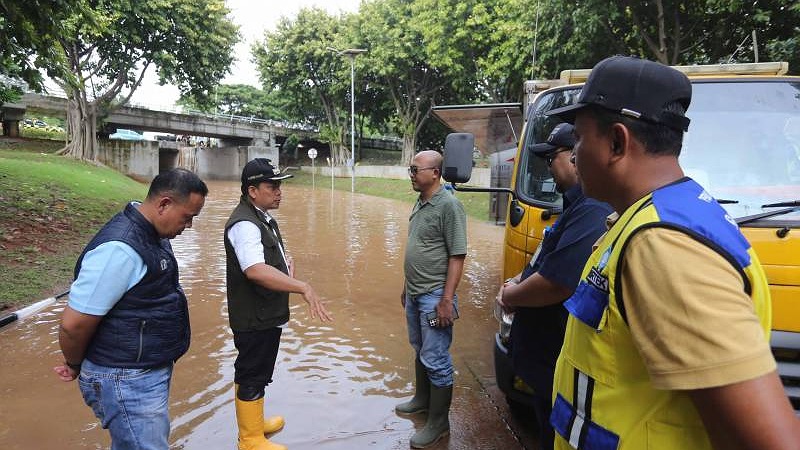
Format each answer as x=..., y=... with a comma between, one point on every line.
x=542, y=406
x=255, y=363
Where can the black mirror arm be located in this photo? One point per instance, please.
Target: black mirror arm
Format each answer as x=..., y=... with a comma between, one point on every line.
x=491, y=189
x=515, y=212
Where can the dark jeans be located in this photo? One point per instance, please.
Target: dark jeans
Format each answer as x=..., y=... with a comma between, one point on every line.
x=543, y=407
x=255, y=363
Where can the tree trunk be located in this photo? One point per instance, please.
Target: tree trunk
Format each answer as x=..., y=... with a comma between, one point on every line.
x=409, y=148
x=82, y=127
x=341, y=153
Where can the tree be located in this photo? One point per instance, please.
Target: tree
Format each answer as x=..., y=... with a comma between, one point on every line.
x=295, y=61
x=29, y=30
x=402, y=67
x=696, y=32
x=188, y=42
x=241, y=100
x=459, y=39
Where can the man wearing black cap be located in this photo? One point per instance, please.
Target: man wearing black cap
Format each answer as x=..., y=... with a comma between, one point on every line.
x=667, y=340
x=260, y=277
x=536, y=295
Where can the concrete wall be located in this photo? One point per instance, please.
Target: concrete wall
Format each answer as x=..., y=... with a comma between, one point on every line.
x=218, y=163
x=253, y=152
x=226, y=163
x=135, y=158
x=167, y=159
x=480, y=176
x=187, y=158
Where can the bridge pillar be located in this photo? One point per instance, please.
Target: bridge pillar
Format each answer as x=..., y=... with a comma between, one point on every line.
x=11, y=128
x=11, y=114
x=226, y=163
x=267, y=140
x=270, y=152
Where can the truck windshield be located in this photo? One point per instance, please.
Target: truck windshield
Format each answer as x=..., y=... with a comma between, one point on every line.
x=743, y=144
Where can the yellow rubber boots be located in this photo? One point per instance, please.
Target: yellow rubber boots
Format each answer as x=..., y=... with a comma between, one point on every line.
x=273, y=424
x=252, y=426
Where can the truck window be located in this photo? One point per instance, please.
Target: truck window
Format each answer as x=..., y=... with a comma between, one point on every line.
x=535, y=185
x=743, y=144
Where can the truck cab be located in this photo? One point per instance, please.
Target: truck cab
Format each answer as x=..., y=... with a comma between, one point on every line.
x=743, y=146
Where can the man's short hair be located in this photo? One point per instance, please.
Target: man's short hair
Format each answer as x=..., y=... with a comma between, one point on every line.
x=178, y=183
x=656, y=138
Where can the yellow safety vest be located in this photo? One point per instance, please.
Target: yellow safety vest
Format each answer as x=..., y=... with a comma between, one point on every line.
x=603, y=398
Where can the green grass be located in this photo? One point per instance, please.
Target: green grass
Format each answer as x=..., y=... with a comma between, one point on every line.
x=476, y=205
x=51, y=206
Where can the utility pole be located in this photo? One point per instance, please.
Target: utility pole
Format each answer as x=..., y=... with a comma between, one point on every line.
x=352, y=53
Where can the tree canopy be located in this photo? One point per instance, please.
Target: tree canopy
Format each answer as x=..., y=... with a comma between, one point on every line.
x=420, y=53
x=26, y=44
x=189, y=43
x=296, y=60
x=241, y=100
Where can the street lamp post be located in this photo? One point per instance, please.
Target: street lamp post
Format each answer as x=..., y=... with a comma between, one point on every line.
x=352, y=53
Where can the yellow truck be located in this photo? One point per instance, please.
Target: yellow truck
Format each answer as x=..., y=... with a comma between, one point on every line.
x=743, y=146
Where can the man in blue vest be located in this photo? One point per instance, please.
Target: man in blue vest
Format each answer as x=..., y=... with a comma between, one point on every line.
x=667, y=340
x=127, y=319
x=537, y=294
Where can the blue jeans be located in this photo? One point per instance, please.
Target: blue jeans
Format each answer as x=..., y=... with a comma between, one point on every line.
x=432, y=344
x=131, y=403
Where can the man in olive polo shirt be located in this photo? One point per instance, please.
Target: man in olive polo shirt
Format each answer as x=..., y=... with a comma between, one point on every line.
x=434, y=262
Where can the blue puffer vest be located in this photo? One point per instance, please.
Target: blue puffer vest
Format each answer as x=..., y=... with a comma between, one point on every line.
x=149, y=326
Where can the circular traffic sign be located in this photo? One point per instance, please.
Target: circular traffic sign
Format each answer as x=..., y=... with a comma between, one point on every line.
x=312, y=153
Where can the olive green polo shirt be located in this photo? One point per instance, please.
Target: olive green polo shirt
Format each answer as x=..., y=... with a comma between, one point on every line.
x=437, y=230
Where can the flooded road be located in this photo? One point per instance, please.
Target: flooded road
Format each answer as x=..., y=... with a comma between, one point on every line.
x=336, y=384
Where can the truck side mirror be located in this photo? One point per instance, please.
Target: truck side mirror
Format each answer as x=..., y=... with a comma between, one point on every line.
x=457, y=166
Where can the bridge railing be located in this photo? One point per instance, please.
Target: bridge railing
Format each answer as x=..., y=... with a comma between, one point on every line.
x=58, y=92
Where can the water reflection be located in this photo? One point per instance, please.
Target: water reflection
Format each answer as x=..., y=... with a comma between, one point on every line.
x=336, y=384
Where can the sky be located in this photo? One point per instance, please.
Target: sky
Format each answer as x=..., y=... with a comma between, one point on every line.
x=253, y=17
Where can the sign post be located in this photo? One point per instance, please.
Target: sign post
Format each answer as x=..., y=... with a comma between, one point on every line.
x=330, y=166
x=312, y=153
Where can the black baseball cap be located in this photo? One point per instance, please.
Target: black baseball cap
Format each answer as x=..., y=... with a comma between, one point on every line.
x=561, y=136
x=636, y=88
x=261, y=169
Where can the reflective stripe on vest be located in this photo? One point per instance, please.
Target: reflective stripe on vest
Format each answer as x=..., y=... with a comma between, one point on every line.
x=574, y=423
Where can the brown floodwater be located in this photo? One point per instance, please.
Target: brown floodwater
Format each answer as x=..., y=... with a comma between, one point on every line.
x=335, y=383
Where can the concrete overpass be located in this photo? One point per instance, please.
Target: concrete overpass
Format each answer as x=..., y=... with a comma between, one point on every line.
x=233, y=129
x=240, y=138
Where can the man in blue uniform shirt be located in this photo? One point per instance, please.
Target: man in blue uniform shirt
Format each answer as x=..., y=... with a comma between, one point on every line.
x=536, y=295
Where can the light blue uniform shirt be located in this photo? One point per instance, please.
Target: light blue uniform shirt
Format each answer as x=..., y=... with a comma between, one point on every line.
x=107, y=272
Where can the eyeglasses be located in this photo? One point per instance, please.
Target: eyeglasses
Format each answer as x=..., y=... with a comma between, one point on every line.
x=412, y=170
x=552, y=156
